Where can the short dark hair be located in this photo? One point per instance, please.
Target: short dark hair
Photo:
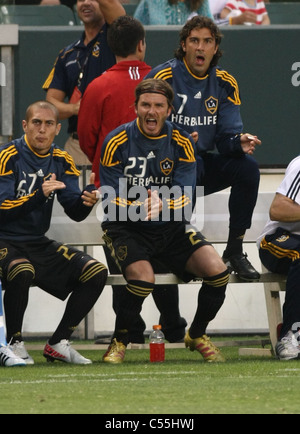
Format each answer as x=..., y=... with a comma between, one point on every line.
x=200, y=22
x=124, y=34
x=45, y=105
x=153, y=85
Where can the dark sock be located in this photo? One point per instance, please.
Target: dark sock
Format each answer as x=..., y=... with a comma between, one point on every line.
x=235, y=242
x=81, y=301
x=18, y=282
x=210, y=300
x=130, y=307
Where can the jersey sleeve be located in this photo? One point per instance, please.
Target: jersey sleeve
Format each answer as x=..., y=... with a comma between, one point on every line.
x=230, y=125
x=70, y=197
x=111, y=167
x=13, y=207
x=57, y=78
x=290, y=186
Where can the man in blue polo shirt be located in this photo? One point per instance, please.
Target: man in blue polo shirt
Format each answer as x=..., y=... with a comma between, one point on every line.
x=80, y=63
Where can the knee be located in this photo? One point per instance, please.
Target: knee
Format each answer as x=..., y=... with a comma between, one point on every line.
x=140, y=288
x=140, y=271
x=20, y=271
x=94, y=274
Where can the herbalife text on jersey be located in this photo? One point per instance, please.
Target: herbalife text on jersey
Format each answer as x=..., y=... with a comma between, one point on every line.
x=127, y=204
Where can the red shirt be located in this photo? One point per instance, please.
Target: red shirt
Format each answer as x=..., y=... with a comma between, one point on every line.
x=108, y=102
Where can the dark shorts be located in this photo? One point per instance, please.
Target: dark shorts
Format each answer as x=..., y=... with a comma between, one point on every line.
x=170, y=245
x=57, y=266
x=278, y=251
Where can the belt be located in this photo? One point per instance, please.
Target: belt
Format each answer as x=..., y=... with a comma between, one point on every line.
x=75, y=136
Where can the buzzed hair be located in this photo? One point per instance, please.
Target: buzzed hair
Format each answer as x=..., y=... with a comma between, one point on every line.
x=45, y=105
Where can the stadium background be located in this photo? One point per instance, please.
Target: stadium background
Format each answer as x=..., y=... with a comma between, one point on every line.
x=266, y=63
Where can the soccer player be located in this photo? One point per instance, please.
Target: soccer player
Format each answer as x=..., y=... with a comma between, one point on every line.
x=111, y=97
x=207, y=101
x=33, y=171
x=151, y=165
x=279, y=250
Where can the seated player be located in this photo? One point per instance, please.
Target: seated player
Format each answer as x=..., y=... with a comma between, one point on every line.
x=143, y=160
x=279, y=250
x=33, y=170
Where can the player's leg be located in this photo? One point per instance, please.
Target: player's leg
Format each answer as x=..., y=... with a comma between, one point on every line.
x=242, y=175
x=20, y=275
x=140, y=283
x=130, y=249
x=18, y=279
x=136, y=334
x=279, y=253
x=84, y=295
x=190, y=255
x=7, y=357
x=206, y=263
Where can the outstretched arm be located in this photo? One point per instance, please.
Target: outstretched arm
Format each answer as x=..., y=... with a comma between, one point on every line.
x=111, y=9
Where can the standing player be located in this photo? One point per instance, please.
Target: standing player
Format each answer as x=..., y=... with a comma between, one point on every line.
x=207, y=100
x=157, y=160
x=80, y=63
x=33, y=170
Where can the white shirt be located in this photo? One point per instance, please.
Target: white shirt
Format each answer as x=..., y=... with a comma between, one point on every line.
x=216, y=6
x=290, y=187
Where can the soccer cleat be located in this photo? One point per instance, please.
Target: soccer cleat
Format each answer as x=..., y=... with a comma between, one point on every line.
x=288, y=347
x=64, y=353
x=240, y=265
x=18, y=348
x=8, y=358
x=115, y=353
x=205, y=347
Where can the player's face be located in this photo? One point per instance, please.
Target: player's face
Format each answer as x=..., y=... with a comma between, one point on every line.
x=41, y=129
x=200, y=48
x=89, y=11
x=152, y=110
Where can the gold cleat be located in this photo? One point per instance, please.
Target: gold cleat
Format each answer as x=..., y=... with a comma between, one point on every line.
x=205, y=347
x=115, y=353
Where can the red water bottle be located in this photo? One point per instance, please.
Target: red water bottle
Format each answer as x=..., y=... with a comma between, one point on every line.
x=157, y=345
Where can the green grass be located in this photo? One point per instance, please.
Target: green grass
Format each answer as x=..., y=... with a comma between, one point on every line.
x=184, y=384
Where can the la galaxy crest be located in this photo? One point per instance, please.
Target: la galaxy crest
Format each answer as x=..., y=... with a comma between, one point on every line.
x=96, y=50
x=167, y=166
x=211, y=105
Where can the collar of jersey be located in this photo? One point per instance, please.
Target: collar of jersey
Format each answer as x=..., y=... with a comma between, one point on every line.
x=35, y=153
x=149, y=137
x=190, y=72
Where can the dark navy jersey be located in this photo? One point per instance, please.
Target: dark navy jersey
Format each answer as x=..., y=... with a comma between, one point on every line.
x=25, y=212
x=209, y=105
x=94, y=59
x=145, y=163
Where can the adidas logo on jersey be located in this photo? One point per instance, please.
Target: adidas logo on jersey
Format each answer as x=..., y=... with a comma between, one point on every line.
x=198, y=95
x=134, y=73
x=151, y=155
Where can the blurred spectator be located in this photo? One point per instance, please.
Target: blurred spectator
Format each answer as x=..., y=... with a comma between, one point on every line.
x=170, y=12
x=252, y=12
x=217, y=6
